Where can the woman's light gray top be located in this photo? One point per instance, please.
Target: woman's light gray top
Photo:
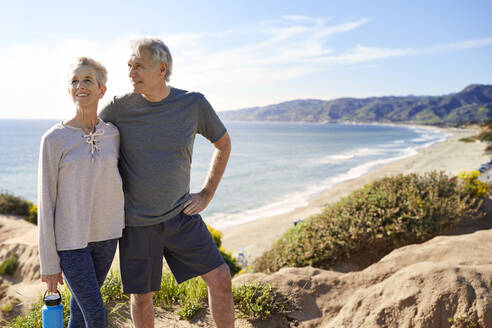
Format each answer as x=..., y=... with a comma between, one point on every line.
x=80, y=195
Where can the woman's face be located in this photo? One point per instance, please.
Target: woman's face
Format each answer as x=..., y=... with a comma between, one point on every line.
x=84, y=88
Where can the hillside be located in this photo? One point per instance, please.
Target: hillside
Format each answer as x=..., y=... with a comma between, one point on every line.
x=414, y=286
x=422, y=286
x=474, y=103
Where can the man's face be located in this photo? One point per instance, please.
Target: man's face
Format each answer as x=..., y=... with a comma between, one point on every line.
x=145, y=77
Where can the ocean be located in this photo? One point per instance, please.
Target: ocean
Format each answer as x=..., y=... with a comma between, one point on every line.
x=273, y=168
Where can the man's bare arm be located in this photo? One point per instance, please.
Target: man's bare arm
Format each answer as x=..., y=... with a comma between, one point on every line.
x=198, y=202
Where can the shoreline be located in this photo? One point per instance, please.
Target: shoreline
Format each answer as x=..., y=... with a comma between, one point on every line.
x=450, y=155
x=293, y=200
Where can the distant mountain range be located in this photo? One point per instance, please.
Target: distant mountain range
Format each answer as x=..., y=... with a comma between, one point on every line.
x=472, y=104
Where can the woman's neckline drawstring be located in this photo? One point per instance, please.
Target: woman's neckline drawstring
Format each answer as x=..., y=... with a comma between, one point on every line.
x=90, y=138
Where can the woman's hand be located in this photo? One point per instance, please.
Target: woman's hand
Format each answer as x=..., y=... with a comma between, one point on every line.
x=52, y=280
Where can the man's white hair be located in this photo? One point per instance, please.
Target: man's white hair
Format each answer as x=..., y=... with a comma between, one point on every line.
x=160, y=52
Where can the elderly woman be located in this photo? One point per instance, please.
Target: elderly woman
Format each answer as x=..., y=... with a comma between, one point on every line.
x=80, y=198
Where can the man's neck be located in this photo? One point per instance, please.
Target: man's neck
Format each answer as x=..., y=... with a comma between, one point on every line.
x=157, y=95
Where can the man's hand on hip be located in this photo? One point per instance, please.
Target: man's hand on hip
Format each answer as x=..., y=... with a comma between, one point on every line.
x=196, y=203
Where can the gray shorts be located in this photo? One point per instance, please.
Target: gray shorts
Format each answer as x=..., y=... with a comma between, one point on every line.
x=185, y=242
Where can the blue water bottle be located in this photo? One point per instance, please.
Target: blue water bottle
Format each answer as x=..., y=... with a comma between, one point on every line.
x=52, y=311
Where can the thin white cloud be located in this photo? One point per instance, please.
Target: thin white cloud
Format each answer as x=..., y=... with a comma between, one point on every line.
x=342, y=28
x=235, y=68
x=362, y=54
x=280, y=45
x=459, y=45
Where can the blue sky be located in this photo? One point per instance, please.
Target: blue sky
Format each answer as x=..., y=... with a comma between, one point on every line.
x=248, y=53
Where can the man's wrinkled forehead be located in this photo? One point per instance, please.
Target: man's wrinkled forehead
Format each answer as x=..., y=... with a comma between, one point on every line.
x=134, y=59
x=140, y=55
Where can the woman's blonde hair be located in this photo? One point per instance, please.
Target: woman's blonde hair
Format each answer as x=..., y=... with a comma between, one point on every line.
x=101, y=72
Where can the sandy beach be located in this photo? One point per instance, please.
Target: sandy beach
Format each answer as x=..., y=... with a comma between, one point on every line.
x=451, y=156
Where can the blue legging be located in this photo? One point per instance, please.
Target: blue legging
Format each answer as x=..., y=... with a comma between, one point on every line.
x=85, y=270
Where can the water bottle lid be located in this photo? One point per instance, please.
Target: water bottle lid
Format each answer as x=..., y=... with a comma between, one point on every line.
x=52, y=299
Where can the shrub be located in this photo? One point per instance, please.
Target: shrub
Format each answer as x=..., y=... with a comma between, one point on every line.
x=216, y=235
x=33, y=318
x=9, y=265
x=461, y=322
x=10, y=204
x=374, y=220
x=6, y=308
x=471, y=183
x=32, y=215
x=485, y=136
x=467, y=140
x=66, y=295
x=189, y=296
x=259, y=301
x=252, y=301
x=231, y=262
x=112, y=294
x=189, y=309
x=111, y=289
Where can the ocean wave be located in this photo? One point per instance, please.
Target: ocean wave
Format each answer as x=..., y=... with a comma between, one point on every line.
x=393, y=145
x=365, y=168
x=294, y=200
x=289, y=202
x=425, y=138
x=335, y=158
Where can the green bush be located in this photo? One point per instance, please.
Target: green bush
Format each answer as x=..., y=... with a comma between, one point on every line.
x=467, y=140
x=32, y=215
x=66, y=295
x=9, y=265
x=234, y=267
x=485, y=136
x=488, y=124
x=13, y=205
x=189, y=296
x=259, y=301
x=256, y=301
x=216, y=235
x=33, y=318
x=230, y=261
x=374, y=220
x=461, y=322
x=471, y=183
x=189, y=309
x=6, y=308
x=111, y=290
x=111, y=293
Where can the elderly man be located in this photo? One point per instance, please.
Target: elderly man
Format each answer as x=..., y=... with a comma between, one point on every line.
x=158, y=124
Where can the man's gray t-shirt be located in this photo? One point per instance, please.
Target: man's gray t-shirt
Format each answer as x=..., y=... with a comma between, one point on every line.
x=156, y=150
